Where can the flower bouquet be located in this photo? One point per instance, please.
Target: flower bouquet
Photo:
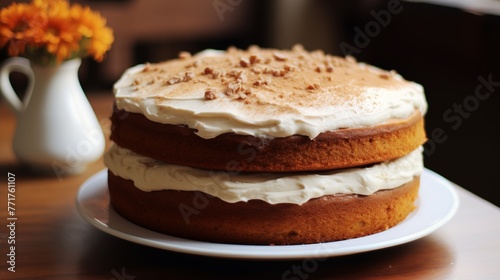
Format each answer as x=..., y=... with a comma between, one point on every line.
x=48, y=32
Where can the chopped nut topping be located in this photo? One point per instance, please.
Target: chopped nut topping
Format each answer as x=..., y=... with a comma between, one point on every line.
x=233, y=88
x=318, y=53
x=278, y=72
x=256, y=70
x=194, y=64
x=188, y=76
x=351, y=59
x=210, y=94
x=242, y=78
x=279, y=57
x=184, y=55
x=150, y=68
x=208, y=70
x=244, y=62
x=253, y=48
x=254, y=59
x=216, y=74
x=313, y=87
x=288, y=68
x=234, y=73
x=241, y=95
x=173, y=80
x=297, y=48
x=260, y=82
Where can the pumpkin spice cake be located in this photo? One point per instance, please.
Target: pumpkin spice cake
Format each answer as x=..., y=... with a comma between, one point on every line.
x=265, y=146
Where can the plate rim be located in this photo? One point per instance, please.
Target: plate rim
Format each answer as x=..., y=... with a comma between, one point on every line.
x=266, y=252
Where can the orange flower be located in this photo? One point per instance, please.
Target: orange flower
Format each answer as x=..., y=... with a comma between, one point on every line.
x=93, y=26
x=50, y=31
x=61, y=38
x=20, y=26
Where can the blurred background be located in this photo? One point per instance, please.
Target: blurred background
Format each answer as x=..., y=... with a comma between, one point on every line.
x=451, y=47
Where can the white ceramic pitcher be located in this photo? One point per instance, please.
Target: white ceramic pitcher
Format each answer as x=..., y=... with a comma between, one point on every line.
x=57, y=130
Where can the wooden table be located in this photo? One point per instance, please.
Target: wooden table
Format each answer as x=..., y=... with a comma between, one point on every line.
x=54, y=242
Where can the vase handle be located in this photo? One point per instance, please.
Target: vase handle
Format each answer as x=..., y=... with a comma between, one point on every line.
x=21, y=65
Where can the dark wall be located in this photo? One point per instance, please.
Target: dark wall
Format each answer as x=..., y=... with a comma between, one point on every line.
x=455, y=55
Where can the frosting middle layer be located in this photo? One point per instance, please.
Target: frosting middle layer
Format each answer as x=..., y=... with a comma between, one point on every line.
x=152, y=175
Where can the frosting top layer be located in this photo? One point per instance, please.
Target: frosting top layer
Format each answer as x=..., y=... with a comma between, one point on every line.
x=267, y=92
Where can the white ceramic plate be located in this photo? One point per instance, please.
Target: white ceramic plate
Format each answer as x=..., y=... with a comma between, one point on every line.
x=436, y=205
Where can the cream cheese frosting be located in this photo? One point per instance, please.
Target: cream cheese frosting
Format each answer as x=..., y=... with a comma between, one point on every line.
x=267, y=93
x=297, y=188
